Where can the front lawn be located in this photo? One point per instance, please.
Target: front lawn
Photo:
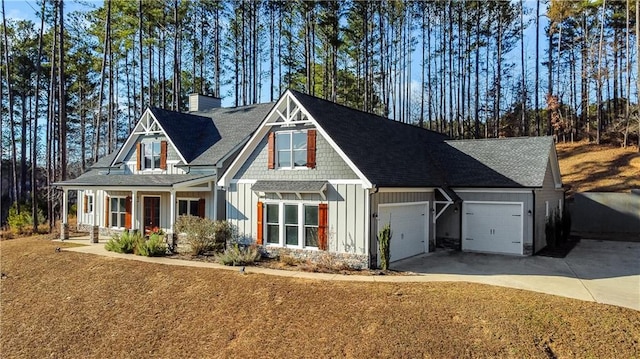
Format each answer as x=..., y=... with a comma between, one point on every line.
x=65, y=304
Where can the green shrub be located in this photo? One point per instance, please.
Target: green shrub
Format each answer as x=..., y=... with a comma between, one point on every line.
x=21, y=222
x=204, y=235
x=124, y=243
x=384, y=239
x=152, y=247
x=236, y=255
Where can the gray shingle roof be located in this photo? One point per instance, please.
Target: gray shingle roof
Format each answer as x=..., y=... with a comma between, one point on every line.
x=94, y=178
x=234, y=125
x=289, y=186
x=502, y=162
x=190, y=133
x=389, y=153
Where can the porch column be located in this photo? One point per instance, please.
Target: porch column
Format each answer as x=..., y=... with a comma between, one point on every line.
x=134, y=204
x=64, y=226
x=172, y=211
x=95, y=229
x=215, y=201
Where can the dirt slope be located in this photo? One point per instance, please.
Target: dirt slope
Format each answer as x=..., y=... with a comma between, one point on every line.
x=589, y=167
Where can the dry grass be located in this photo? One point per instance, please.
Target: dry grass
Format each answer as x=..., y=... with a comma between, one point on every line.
x=82, y=306
x=589, y=167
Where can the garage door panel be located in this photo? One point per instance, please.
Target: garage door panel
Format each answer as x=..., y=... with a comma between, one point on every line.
x=408, y=227
x=493, y=227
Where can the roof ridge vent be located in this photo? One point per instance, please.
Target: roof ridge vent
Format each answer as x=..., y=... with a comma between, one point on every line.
x=199, y=102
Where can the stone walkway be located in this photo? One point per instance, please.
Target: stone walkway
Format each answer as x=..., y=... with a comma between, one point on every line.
x=598, y=272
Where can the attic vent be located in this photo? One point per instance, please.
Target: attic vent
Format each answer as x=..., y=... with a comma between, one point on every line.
x=198, y=102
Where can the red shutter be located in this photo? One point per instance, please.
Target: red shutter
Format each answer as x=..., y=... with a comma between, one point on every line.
x=311, y=149
x=271, y=151
x=322, y=226
x=106, y=211
x=127, y=214
x=138, y=156
x=201, y=208
x=163, y=155
x=85, y=204
x=260, y=236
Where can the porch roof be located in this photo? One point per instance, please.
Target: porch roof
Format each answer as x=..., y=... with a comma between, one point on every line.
x=95, y=179
x=289, y=186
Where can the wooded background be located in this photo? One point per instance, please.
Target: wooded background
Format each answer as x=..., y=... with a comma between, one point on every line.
x=74, y=84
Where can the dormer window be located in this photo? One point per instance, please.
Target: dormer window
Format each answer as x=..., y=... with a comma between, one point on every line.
x=292, y=149
x=151, y=155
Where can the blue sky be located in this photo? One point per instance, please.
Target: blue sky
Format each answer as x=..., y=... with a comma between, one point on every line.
x=26, y=9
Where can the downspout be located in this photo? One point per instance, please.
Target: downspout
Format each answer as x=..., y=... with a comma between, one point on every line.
x=533, y=220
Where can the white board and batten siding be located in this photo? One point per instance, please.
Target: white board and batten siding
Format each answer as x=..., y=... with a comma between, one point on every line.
x=346, y=204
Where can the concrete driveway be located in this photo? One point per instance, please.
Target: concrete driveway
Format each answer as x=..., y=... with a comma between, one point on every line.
x=601, y=271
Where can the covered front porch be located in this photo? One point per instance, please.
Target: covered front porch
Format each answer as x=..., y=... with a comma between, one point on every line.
x=146, y=203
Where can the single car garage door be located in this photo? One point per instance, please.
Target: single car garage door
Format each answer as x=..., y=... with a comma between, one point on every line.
x=409, y=228
x=493, y=227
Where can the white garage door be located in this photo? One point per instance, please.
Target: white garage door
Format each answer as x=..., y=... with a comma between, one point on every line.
x=493, y=227
x=408, y=227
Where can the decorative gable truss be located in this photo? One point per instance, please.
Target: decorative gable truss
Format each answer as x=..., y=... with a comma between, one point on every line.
x=148, y=125
x=288, y=112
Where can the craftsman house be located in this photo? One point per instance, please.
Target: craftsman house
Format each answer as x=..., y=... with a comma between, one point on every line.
x=317, y=180
x=167, y=167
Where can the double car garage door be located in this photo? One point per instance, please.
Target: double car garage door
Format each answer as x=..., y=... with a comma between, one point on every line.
x=492, y=227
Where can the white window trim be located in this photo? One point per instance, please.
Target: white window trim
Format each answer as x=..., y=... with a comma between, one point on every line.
x=143, y=156
x=111, y=212
x=185, y=199
x=281, y=226
x=293, y=167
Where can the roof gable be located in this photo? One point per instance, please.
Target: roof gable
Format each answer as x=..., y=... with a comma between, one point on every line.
x=389, y=153
x=190, y=134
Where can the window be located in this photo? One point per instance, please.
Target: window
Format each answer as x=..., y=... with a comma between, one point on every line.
x=311, y=226
x=188, y=207
x=89, y=204
x=298, y=224
x=291, y=147
x=151, y=155
x=273, y=224
x=118, y=211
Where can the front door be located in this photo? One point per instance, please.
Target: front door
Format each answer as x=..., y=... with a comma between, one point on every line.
x=151, y=213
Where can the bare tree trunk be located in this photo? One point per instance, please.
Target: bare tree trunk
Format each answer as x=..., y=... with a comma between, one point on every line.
x=599, y=94
x=62, y=102
x=98, y=121
x=638, y=64
x=628, y=101
x=525, y=121
x=14, y=170
x=141, y=59
x=50, y=130
x=34, y=133
x=537, y=76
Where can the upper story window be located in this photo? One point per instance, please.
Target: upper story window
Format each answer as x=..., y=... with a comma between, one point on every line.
x=151, y=155
x=292, y=149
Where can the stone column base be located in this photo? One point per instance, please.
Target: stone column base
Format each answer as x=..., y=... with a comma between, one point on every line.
x=94, y=234
x=64, y=231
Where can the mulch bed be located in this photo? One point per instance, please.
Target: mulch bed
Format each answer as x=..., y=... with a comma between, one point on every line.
x=298, y=266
